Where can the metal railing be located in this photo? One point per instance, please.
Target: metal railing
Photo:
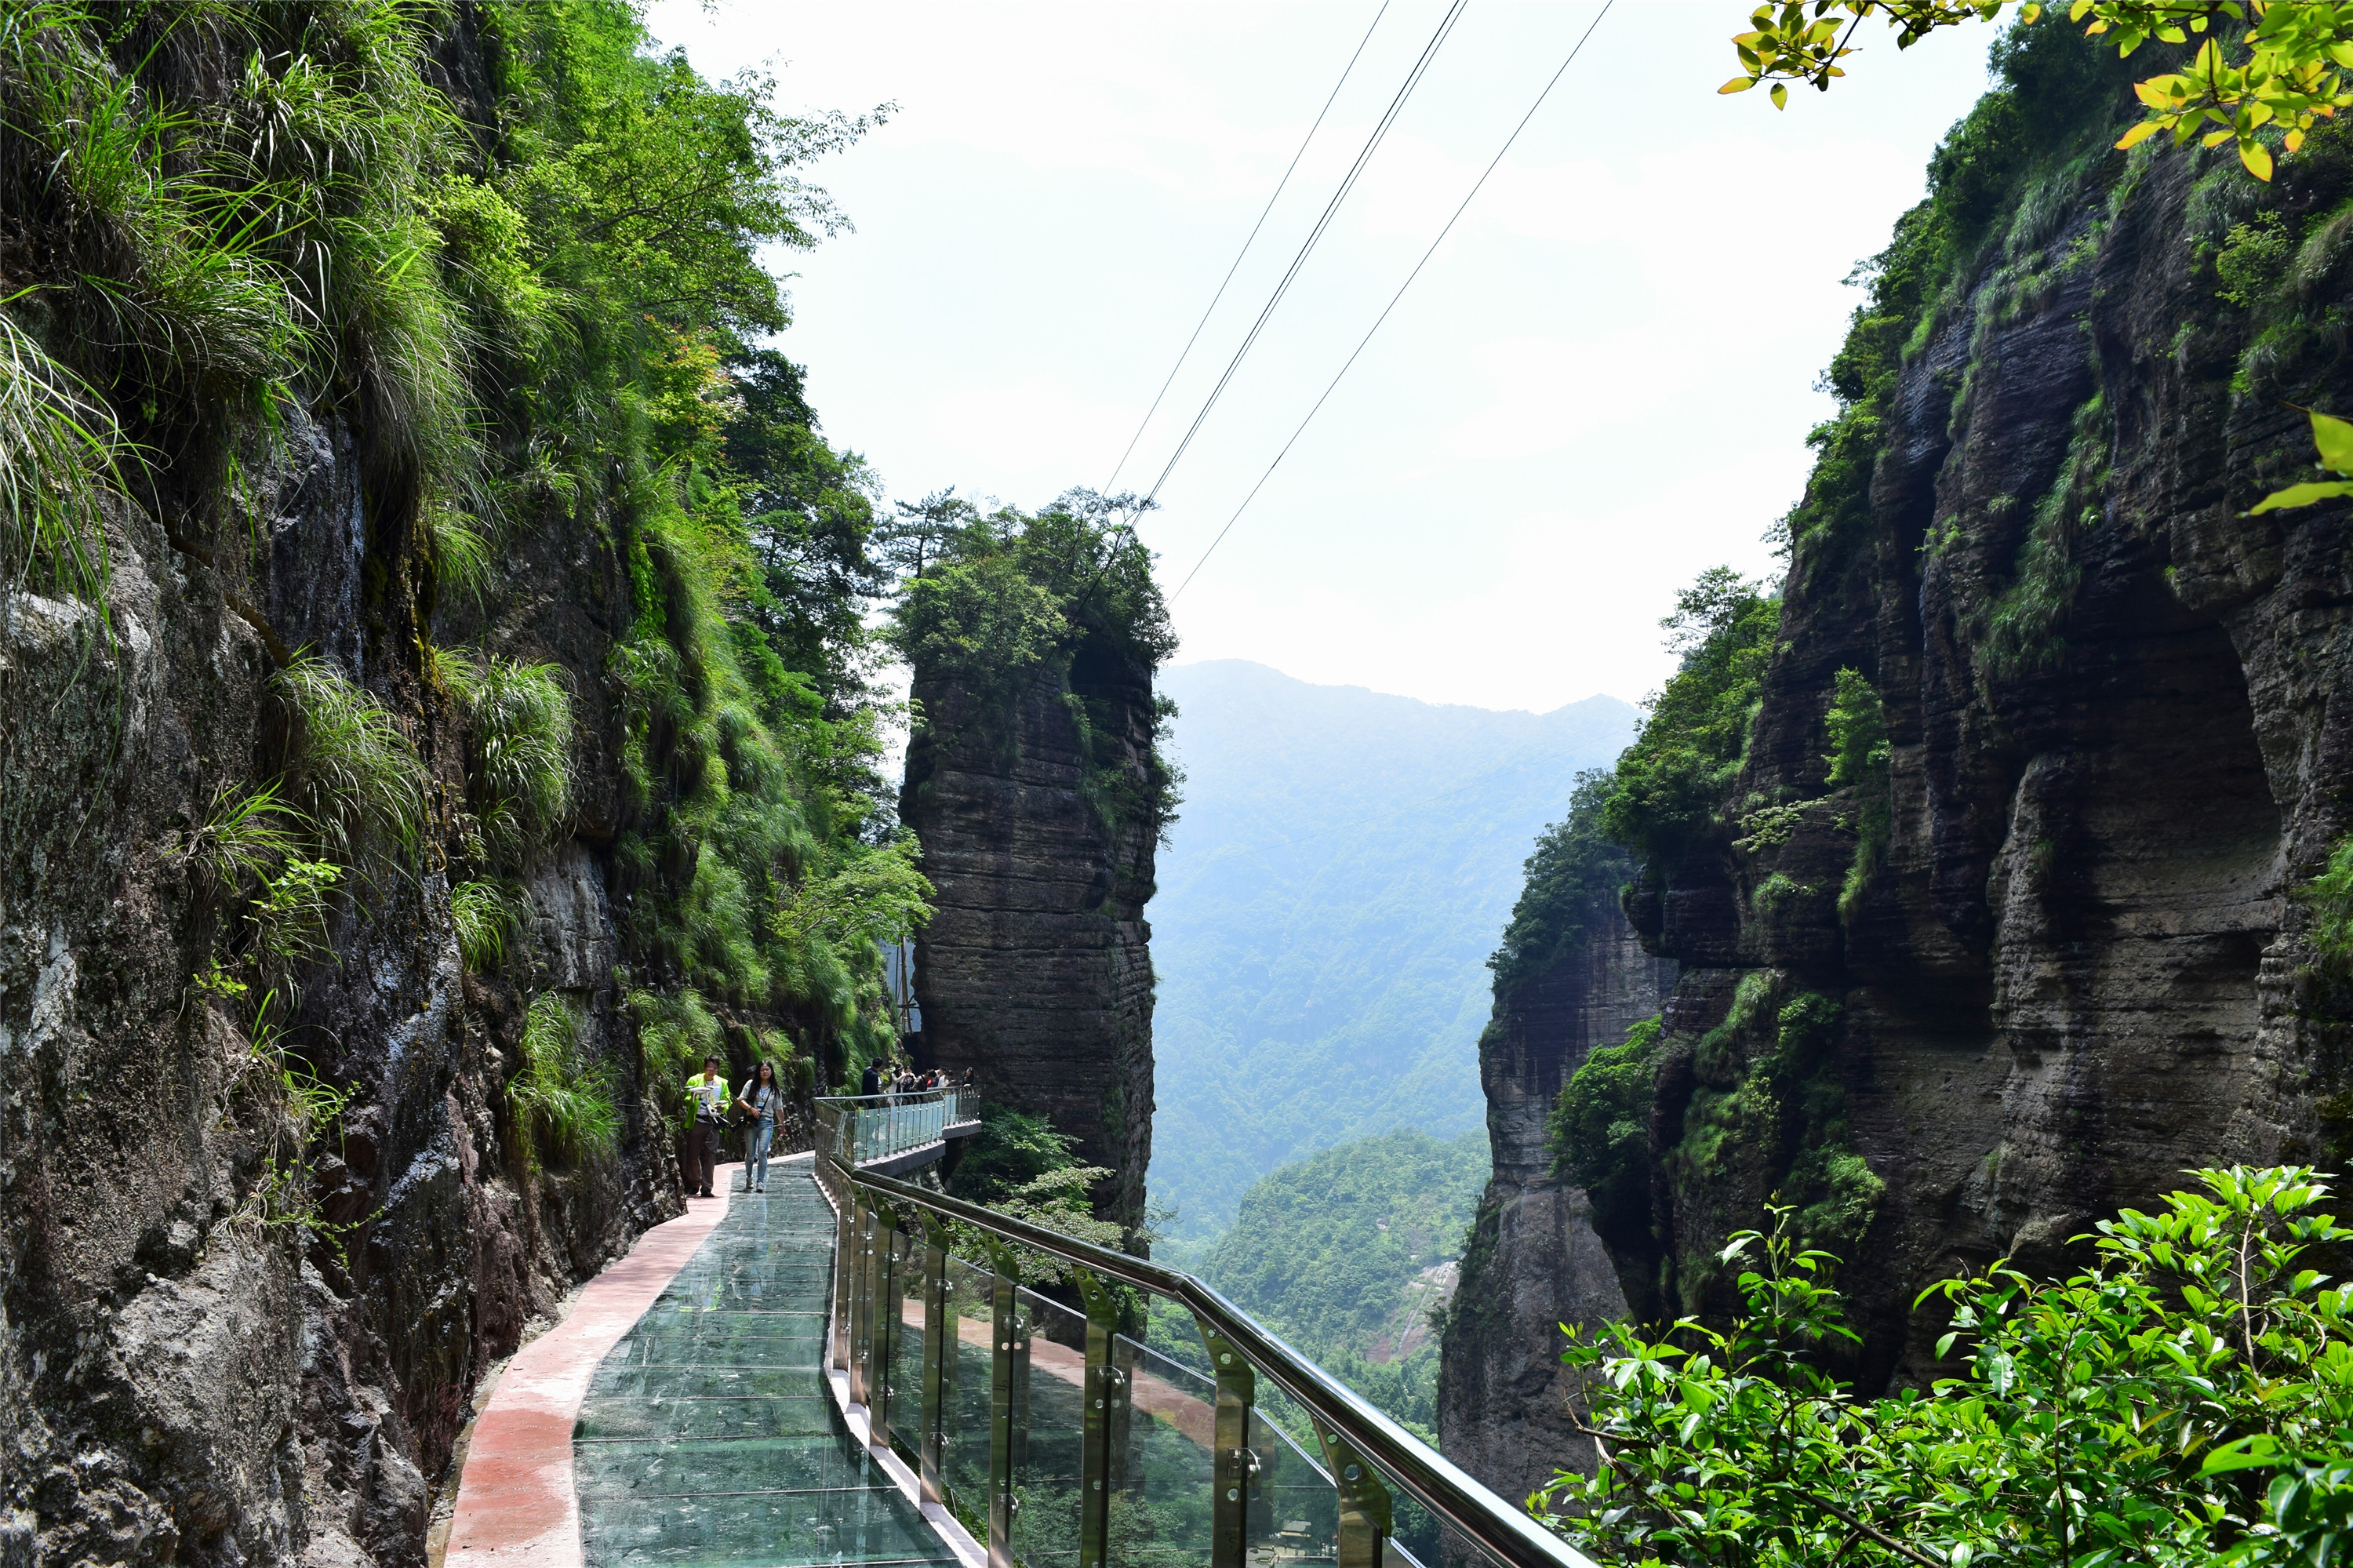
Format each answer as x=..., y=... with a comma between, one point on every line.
x=860, y=1129
x=1067, y=1460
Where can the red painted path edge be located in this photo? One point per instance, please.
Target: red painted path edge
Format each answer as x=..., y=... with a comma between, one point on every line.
x=517, y=1506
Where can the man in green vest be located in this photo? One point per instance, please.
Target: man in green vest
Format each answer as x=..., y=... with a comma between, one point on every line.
x=709, y=1092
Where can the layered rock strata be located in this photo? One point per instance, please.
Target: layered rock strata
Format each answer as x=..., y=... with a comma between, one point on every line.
x=2048, y=954
x=189, y=1373
x=1534, y=1262
x=1036, y=972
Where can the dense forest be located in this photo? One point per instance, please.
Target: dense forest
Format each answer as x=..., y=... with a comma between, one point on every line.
x=1344, y=1254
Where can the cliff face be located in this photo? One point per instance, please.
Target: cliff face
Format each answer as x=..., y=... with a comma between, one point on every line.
x=366, y=731
x=1036, y=971
x=1533, y=1261
x=189, y=1373
x=2038, y=953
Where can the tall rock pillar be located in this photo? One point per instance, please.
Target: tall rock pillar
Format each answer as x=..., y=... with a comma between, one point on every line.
x=1038, y=814
x=1535, y=1261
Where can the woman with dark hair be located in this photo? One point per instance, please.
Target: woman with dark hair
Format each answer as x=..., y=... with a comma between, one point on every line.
x=760, y=1100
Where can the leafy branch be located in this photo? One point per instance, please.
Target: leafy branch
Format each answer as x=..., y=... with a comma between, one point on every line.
x=2286, y=71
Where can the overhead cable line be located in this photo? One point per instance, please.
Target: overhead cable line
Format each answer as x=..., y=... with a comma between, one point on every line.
x=1409, y=277
x=1262, y=216
x=1428, y=52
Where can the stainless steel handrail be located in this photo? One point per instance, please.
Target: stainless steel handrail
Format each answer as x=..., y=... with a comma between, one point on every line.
x=1443, y=1487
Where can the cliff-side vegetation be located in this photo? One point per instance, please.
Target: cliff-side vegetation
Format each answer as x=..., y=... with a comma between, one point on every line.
x=991, y=602
x=2185, y=1399
x=1335, y=1251
x=1573, y=864
x=1668, y=785
x=1599, y=1133
x=532, y=298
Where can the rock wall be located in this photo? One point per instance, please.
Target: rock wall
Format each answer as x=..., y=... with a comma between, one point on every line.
x=185, y=1375
x=1036, y=972
x=1533, y=1261
x=2048, y=955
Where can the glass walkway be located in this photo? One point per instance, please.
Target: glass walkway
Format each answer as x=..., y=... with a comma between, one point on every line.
x=708, y=1438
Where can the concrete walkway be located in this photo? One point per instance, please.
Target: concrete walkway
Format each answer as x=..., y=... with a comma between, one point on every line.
x=695, y=1423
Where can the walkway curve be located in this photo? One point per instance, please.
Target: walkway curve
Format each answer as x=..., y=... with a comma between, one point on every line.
x=518, y=1505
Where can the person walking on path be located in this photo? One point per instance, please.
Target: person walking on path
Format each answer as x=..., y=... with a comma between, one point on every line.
x=709, y=1095
x=759, y=1102
x=870, y=1083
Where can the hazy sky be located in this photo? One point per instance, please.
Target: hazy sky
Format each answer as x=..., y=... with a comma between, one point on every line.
x=1599, y=385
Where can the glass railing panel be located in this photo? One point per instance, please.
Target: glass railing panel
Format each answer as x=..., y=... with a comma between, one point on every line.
x=1295, y=1518
x=963, y=1445
x=907, y=1343
x=1163, y=1436
x=1049, y=1425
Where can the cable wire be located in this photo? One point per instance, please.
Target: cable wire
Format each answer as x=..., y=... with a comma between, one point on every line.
x=1262, y=216
x=1413, y=78
x=1409, y=277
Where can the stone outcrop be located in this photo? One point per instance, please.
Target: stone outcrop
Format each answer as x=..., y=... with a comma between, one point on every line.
x=1533, y=1261
x=1036, y=972
x=188, y=1375
x=2072, y=964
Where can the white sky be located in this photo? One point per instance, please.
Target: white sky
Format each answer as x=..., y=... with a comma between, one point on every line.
x=1599, y=385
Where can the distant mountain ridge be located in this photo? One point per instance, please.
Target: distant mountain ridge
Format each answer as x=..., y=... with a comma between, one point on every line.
x=1345, y=863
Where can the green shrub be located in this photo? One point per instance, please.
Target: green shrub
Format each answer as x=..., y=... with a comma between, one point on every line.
x=2253, y=255
x=245, y=837
x=354, y=774
x=1574, y=868
x=57, y=446
x=1671, y=782
x=518, y=751
x=559, y=1103
x=1011, y=1149
x=1600, y=1131
x=2187, y=1399
x=2329, y=896
x=484, y=914
x=1859, y=761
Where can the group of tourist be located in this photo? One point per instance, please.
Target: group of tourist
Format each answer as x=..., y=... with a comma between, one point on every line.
x=897, y=1076
x=753, y=1108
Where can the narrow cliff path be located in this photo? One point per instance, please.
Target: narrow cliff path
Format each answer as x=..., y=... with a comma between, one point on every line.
x=706, y=1434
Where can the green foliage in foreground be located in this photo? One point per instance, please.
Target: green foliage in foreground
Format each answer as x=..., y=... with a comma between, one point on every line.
x=2266, y=75
x=2185, y=1399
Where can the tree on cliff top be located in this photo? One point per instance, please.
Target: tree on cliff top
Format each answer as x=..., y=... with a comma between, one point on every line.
x=1670, y=781
x=993, y=596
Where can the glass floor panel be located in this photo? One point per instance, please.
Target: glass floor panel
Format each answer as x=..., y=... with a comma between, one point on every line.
x=708, y=1439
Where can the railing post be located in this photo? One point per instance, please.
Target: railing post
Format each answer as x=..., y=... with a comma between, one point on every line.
x=1003, y=1343
x=845, y=1263
x=939, y=1354
x=862, y=1295
x=883, y=1396
x=1101, y=1390
x=1365, y=1519
x=1235, y=1463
